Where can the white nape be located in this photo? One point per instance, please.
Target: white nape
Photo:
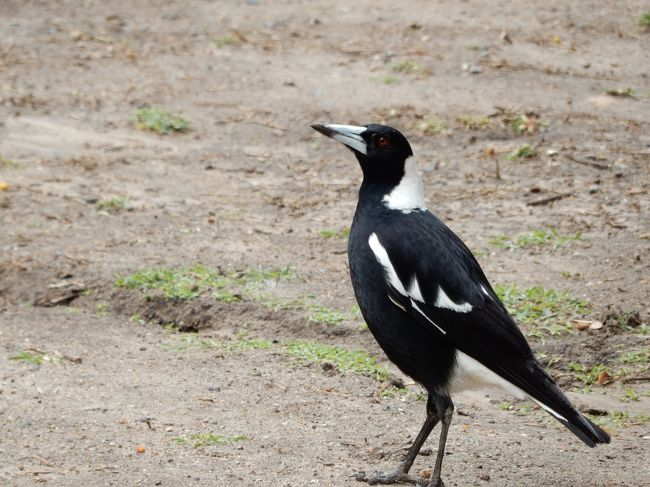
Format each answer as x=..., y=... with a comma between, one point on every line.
x=407, y=196
x=443, y=301
x=469, y=373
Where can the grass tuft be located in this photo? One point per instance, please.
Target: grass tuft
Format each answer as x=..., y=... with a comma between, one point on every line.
x=431, y=126
x=192, y=282
x=644, y=20
x=112, y=204
x=470, y=122
x=159, y=121
x=546, y=311
x=353, y=361
x=534, y=238
x=322, y=314
x=408, y=67
x=28, y=357
x=522, y=152
x=344, y=233
x=621, y=92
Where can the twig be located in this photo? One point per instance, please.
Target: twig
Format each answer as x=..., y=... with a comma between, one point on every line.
x=597, y=165
x=640, y=378
x=548, y=199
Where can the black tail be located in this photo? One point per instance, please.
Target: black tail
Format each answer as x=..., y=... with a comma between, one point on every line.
x=544, y=391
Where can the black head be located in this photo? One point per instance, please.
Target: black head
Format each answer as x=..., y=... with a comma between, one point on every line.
x=381, y=150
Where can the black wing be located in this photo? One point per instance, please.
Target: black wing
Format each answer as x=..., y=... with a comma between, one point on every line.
x=443, y=287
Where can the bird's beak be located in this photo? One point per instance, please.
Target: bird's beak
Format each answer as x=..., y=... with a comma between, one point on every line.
x=349, y=135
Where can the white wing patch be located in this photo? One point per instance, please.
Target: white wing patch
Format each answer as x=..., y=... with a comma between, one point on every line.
x=382, y=257
x=407, y=196
x=443, y=301
x=471, y=374
x=413, y=292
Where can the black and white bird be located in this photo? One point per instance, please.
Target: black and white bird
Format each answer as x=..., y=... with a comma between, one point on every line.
x=427, y=301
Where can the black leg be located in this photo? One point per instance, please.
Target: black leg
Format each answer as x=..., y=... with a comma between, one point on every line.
x=401, y=473
x=446, y=411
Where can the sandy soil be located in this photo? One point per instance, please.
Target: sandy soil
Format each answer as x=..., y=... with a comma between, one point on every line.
x=118, y=397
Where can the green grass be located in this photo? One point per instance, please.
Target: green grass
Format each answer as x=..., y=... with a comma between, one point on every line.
x=344, y=233
x=112, y=204
x=247, y=344
x=522, y=409
x=224, y=41
x=534, y=238
x=28, y=357
x=159, y=121
x=193, y=341
x=256, y=276
x=182, y=283
x=101, y=310
x=644, y=20
x=200, y=440
x=522, y=152
x=630, y=395
x=622, y=92
x=544, y=311
x=635, y=357
x=473, y=122
x=431, y=126
x=620, y=418
x=322, y=314
x=588, y=376
x=408, y=67
x=395, y=392
x=192, y=282
x=389, y=80
x=346, y=361
x=526, y=124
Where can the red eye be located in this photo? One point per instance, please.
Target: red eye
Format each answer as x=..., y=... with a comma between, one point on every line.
x=383, y=141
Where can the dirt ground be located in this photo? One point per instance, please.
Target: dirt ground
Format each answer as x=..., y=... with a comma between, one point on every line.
x=95, y=392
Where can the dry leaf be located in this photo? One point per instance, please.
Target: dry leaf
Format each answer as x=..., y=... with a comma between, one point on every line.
x=139, y=449
x=603, y=378
x=4, y=186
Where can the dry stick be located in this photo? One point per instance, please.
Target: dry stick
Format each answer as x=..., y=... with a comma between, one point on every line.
x=597, y=165
x=636, y=379
x=548, y=199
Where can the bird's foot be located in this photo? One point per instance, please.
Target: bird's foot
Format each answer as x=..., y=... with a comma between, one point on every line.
x=436, y=482
x=388, y=478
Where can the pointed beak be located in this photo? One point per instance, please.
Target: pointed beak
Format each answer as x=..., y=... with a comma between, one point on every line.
x=349, y=135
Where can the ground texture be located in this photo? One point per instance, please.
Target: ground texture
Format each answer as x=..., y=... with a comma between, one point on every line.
x=531, y=127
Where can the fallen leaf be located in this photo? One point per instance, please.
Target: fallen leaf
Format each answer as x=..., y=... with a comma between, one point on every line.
x=4, y=186
x=139, y=450
x=603, y=378
x=582, y=325
x=425, y=473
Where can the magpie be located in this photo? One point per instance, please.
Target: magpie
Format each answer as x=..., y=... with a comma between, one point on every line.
x=427, y=301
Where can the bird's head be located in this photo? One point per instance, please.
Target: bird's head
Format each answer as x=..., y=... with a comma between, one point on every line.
x=380, y=149
x=385, y=158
